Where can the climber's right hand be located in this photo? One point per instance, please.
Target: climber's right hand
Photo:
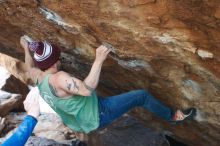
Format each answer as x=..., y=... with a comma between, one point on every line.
x=102, y=53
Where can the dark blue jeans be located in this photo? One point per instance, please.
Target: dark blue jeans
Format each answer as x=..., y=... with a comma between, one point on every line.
x=113, y=107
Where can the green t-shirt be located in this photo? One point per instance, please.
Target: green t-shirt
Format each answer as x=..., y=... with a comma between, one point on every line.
x=79, y=113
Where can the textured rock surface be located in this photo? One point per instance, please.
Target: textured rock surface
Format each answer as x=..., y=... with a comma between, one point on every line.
x=13, y=66
x=51, y=132
x=9, y=103
x=14, y=85
x=49, y=127
x=169, y=47
x=12, y=94
x=128, y=132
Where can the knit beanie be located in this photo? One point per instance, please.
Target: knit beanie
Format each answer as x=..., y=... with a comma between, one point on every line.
x=45, y=54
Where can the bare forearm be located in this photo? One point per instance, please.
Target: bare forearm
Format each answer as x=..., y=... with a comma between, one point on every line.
x=92, y=79
x=28, y=59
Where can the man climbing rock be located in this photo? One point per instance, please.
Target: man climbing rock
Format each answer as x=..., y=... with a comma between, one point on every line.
x=76, y=101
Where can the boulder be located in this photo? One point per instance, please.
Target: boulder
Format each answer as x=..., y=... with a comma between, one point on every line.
x=14, y=85
x=49, y=129
x=12, y=94
x=127, y=131
x=169, y=47
x=51, y=126
x=10, y=102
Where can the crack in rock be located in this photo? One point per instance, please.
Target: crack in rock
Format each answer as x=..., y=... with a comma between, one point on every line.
x=136, y=64
x=55, y=18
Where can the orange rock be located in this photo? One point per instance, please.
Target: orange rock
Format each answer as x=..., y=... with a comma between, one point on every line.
x=156, y=48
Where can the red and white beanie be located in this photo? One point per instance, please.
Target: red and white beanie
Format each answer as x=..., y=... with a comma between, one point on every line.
x=45, y=54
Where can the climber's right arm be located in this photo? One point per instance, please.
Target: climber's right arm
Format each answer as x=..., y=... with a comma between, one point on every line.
x=28, y=59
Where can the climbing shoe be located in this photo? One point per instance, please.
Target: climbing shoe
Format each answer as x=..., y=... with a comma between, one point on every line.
x=181, y=116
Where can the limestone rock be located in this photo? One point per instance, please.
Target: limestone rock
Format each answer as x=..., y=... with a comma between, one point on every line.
x=12, y=95
x=217, y=13
x=155, y=47
x=49, y=126
x=205, y=54
x=13, y=101
x=14, y=85
x=14, y=66
x=40, y=141
x=129, y=132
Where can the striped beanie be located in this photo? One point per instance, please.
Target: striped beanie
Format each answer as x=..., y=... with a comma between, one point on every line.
x=45, y=54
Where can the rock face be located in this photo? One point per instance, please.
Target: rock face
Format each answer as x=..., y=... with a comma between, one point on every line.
x=169, y=47
x=13, y=66
x=51, y=127
x=14, y=85
x=128, y=132
x=48, y=131
x=12, y=96
x=12, y=101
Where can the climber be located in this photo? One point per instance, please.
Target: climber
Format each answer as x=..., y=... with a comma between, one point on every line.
x=76, y=101
x=24, y=131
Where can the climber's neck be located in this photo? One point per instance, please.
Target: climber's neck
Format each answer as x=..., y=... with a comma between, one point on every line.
x=51, y=71
x=54, y=68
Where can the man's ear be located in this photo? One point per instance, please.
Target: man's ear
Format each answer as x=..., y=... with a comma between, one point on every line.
x=54, y=65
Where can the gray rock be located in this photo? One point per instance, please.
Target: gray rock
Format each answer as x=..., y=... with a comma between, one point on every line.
x=129, y=132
